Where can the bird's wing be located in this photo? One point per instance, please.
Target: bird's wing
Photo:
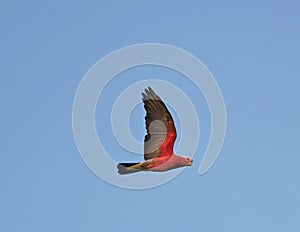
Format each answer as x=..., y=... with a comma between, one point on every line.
x=161, y=132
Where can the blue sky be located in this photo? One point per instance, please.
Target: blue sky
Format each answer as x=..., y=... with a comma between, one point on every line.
x=252, y=50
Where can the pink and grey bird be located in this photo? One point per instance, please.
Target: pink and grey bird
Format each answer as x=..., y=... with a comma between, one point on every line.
x=159, y=140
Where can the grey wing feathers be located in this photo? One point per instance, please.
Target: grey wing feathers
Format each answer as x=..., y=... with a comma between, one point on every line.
x=157, y=118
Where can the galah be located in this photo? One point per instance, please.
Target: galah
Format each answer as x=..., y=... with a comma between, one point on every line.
x=159, y=140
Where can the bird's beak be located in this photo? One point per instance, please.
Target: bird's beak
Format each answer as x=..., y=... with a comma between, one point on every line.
x=190, y=163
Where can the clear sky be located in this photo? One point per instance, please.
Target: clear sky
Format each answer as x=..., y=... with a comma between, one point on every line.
x=252, y=50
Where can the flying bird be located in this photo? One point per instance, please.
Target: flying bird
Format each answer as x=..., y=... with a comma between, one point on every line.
x=159, y=140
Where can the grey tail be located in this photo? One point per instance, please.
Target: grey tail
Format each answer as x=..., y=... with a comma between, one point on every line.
x=124, y=168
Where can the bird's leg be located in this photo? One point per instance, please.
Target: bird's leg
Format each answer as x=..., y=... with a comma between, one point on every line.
x=141, y=165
